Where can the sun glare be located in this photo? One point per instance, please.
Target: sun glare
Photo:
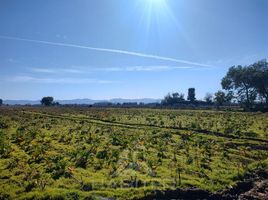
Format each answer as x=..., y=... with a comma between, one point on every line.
x=154, y=11
x=156, y=16
x=156, y=3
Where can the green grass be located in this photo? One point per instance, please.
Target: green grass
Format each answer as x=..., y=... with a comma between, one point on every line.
x=86, y=153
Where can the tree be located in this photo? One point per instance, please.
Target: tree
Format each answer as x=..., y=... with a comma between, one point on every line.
x=259, y=78
x=55, y=103
x=208, y=98
x=248, y=83
x=1, y=102
x=220, y=98
x=47, y=101
x=239, y=80
x=229, y=97
x=167, y=99
x=178, y=97
x=174, y=98
x=191, y=94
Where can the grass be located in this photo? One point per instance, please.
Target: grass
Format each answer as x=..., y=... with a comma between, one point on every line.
x=87, y=153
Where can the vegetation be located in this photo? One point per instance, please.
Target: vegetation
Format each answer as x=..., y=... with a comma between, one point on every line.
x=208, y=98
x=1, y=102
x=93, y=153
x=244, y=86
x=191, y=94
x=248, y=83
x=220, y=97
x=47, y=101
x=174, y=98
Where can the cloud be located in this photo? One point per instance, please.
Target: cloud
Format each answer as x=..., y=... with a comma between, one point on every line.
x=142, y=68
x=43, y=70
x=116, y=51
x=31, y=79
x=57, y=70
x=85, y=70
x=73, y=71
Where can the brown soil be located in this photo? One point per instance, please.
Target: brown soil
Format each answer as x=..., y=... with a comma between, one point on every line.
x=253, y=187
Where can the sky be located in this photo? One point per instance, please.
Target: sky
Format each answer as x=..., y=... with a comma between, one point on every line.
x=103, y=49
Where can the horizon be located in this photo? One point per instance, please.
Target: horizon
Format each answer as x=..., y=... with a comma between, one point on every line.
x=103, y=50
x=82, y=99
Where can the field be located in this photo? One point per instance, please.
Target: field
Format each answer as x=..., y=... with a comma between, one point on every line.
x=90, y=153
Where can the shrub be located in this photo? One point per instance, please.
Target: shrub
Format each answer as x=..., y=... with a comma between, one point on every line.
x=102, y=154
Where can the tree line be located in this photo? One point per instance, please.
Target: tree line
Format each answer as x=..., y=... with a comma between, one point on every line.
x=246, y=86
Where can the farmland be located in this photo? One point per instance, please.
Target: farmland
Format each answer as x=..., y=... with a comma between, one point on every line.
x=97, y=153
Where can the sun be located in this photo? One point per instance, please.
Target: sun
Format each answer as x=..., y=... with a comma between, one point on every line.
x=156, y=3
x=154, y=6
x=156, y=15
x=152, y=10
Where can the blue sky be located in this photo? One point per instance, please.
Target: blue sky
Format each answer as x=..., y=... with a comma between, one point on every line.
x=104, y=49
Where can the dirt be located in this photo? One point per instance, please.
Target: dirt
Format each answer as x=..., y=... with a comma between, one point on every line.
x=259, y=191
x=253, y=187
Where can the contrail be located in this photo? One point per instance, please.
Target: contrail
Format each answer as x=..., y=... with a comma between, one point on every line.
x=117, y=51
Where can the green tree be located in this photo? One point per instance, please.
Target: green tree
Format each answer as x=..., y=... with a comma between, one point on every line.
x=259, y=78
x=239, y=81
x=174, y=98
x=219, y=98
x=208, y=98
x=1, y=102
x=191, y=94
x=167, y=99
x=47, y=101
x=229, y=97
x=178, y=97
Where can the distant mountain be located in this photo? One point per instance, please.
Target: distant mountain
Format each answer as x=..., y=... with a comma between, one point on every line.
x=77, y=101
x=21, y=102
x=83, y=101
x=144, y=100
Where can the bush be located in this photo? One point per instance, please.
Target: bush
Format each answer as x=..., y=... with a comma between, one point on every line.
x=102, y=154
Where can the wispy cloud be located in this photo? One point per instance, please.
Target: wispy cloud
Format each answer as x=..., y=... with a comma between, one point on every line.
x=73, y=71
x=57, y=70
x=45, y=80
x=85, y=70
x=43, y=70
x=142, y=68
x=117, y=51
